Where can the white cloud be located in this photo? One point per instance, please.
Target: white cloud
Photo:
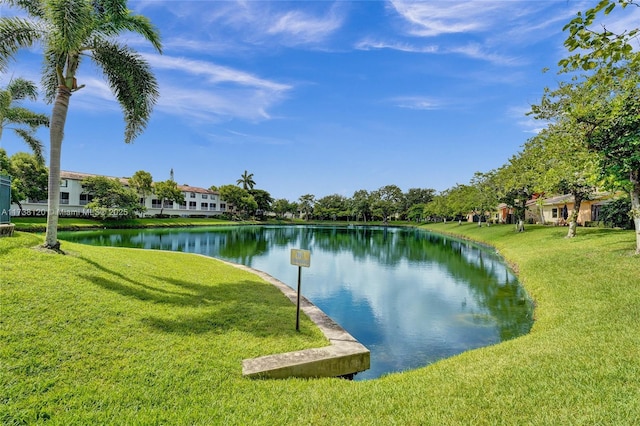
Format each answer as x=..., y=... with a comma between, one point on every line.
x=213, y=73
x=477, y=51
x=305, y=28
x=429, y=19
x=492, y=31
x=208, y=92
x=418, y=102
x=369, y=44
x=527, y=122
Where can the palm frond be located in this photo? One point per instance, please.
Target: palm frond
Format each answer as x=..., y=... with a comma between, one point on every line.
x=114, y=17
x=32, y=7
x=131, y=81
x=15, y=34
x=72, y=22
x=23, y=116
x=35, y=145
x=143, y=26
x=22, y=89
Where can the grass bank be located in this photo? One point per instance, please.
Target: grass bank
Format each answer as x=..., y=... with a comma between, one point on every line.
x=120, y=336
x=39, y=224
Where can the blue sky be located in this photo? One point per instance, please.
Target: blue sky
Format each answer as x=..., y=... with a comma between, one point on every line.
x=324, y=97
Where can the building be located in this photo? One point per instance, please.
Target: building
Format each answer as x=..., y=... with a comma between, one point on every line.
x=556, y=210
x=198, y=202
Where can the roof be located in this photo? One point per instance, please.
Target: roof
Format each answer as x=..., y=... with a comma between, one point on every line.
x=189, y=188
x=64, y=174
x=568, y=198
x=80, y=176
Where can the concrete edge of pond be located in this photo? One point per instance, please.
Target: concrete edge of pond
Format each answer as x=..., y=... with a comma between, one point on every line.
x=344, y=357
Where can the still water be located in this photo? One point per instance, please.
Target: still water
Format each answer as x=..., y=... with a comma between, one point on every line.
x=410, y=296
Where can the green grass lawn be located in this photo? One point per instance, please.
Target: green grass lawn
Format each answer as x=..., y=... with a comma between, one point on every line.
x=120, y=336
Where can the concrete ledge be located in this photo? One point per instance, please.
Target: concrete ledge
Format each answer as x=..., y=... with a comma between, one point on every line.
x=345, y=356
x=6, y=229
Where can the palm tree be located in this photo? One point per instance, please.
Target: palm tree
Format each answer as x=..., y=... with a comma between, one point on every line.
x=22, y=121
x=246, y=180
x=69, y=32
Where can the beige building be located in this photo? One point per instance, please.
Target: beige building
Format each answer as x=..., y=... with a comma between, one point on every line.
x=556, y=210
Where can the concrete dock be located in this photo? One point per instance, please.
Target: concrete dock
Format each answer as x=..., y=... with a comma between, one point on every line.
x=344, y=357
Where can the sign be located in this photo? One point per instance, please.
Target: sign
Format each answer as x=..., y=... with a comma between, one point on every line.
x=5, y=199
x=301, y=258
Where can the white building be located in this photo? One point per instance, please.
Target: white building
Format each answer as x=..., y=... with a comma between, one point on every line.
x=198, y=202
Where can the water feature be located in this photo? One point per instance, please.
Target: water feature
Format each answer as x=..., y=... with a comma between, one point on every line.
x=412, y=297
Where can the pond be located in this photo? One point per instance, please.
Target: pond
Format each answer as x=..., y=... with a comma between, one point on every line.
x=412, y=297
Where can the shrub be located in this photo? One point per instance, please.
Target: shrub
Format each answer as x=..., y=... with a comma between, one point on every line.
x=616, y=213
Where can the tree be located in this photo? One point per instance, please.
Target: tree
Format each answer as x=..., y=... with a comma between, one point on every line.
x=142, y=183
x=168, y=190
x=564, y=164
x=607, y=98
x=71, y=30
x=332, y=206
x=387, y=201
x=240, y=198
x=5, y=162
x=438, y=209
x=484, y=194
x=417, y=196
x=416, y=212
x=460, y=201
x=306, y=203
x=246, y=180
x=281, y=206
x=602, y=49
x=361, y=204
x=19, y=119
x=263, y=200
x=111, y=198
x=29, y=178
x=517, y=180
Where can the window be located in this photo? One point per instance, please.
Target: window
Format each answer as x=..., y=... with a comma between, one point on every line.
x=204, y=206
x=168, y=204
x=85, y=199
x=63, y=183
x=142, y=201
x=223, y=206
x=192, y=195
x=156, y=204
x=213, y=197
x=205, y=196
x=192, y=205
x=212, y=206
x=183, y=205
x=64, y=198
x=554, y=213
x=595, y=212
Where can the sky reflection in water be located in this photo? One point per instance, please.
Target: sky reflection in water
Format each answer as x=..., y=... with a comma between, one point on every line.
x=410, y=296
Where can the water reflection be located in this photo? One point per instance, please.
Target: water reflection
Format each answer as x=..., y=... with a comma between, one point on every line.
x=410, y=296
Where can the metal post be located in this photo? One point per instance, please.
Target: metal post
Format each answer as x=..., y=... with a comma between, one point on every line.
x=298, y=309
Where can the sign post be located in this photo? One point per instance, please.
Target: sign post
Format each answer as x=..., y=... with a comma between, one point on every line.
x=300, y=258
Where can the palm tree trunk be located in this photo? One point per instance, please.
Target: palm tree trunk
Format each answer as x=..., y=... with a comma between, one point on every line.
x=56, y=133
